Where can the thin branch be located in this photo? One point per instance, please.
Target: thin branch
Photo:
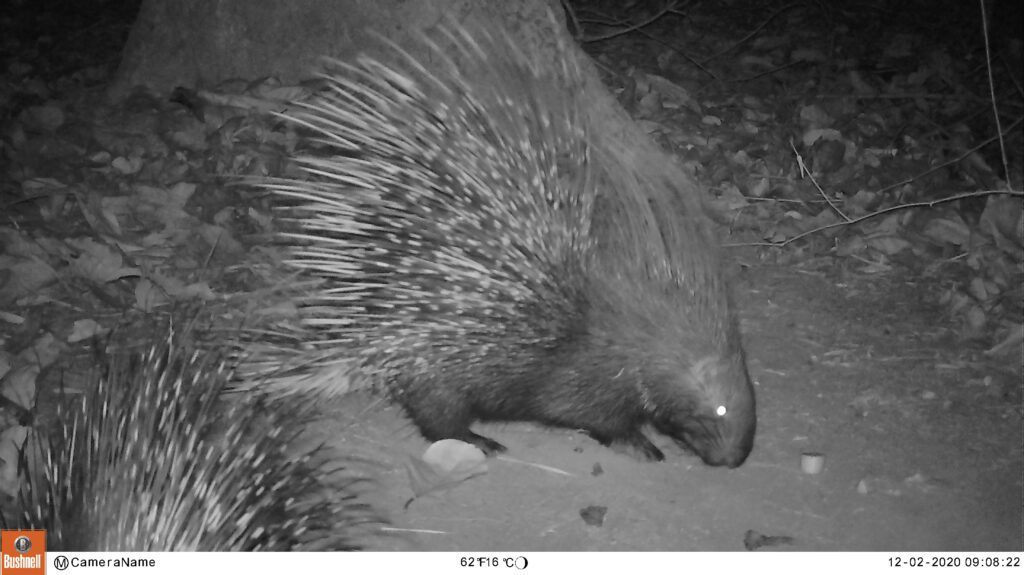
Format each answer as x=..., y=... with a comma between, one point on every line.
x=669, y=7
x=954, y=160
x=992, y=92
x=804, y=170
x=753, y=32
x=928, y=204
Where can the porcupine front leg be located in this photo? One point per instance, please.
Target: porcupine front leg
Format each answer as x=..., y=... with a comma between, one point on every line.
x=580, y=395
x=442, y=414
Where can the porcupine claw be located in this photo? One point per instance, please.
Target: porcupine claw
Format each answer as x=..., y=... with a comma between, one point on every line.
x=485, y=444
x=636, y=441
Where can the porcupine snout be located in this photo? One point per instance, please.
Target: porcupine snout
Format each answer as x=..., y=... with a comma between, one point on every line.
x=721, y=426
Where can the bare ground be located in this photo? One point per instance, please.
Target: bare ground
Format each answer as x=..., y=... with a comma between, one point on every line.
x=922, y=451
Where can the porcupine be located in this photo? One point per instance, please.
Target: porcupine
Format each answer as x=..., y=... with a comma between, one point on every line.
x=154, y=459
x=476, y=262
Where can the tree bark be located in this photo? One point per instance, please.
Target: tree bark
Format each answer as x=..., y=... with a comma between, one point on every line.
x=201, y=43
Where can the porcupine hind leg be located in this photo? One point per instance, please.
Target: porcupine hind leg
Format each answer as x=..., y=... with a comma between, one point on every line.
x=442, y=415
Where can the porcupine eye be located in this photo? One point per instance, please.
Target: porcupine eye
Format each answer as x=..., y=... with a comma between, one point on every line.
x=721, y=411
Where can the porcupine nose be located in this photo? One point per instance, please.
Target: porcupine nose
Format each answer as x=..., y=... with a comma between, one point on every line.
x=736, y=439
x=733, y=446
x=740, y=449
x=731, y=458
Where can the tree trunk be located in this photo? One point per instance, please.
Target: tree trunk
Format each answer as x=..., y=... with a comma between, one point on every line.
x=201, y=43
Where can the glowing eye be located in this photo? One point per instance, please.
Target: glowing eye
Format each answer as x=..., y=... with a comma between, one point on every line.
x=720, y=411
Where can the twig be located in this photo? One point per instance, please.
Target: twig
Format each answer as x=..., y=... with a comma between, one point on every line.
x=669, y=7
x=540, y=466
x=899, y=96
x=768, y=72
x=953, y=161
x=992, y=92
x=752, y=32
x=804, y=170
x=885, y=211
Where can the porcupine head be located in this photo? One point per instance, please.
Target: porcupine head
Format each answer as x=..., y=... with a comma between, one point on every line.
x=669, y=354
x=661, y=344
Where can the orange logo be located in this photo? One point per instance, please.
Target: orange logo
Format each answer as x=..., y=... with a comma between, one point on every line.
x=23, y=552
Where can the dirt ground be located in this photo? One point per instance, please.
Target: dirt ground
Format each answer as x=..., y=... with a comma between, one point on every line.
x=922, y=440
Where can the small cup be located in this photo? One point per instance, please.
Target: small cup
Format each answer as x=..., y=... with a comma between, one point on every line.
x=812, y=463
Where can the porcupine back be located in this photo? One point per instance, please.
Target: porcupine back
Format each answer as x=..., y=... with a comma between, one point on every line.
x=452, y=220
x=151, y=459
